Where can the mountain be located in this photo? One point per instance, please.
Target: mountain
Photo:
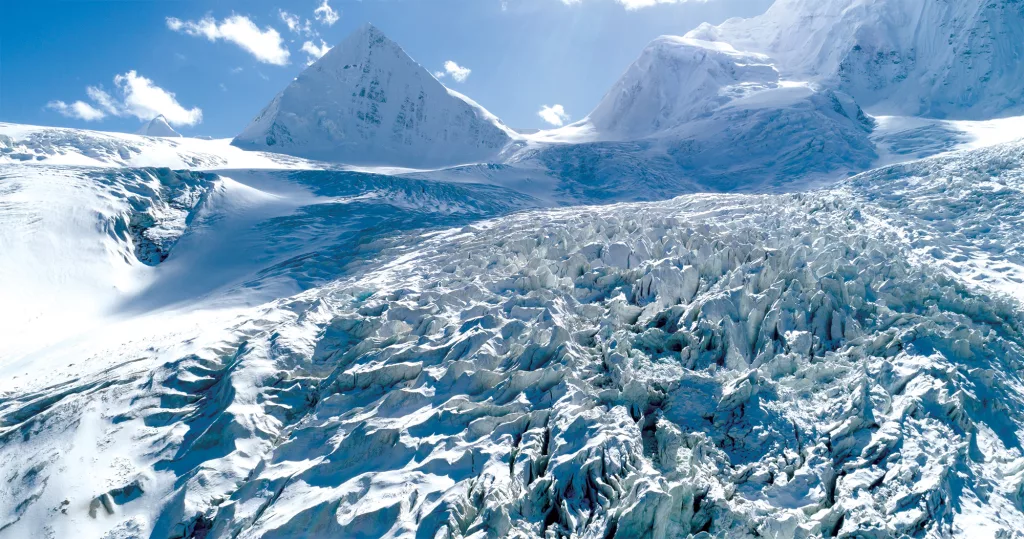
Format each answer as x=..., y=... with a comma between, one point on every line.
x=697, y=115
x=677, y=80
x=157, y=127
x=205, y=342
x=911, y=57
x=367, y=102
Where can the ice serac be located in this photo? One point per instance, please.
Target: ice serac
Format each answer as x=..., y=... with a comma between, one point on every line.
x=912, y=57
x=367, y=102
x=157, y=127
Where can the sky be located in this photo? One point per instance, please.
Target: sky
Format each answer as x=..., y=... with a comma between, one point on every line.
x=211, y=66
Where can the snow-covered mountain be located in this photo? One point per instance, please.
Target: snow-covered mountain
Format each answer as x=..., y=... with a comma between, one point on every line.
x=696, y=115
x=956, y=59
x=677, y=80
x=157, y=127
x=367, y=102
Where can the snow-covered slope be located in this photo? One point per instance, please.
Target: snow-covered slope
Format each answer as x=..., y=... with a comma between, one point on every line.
x=37, y=145
x=158, y=127
x=367, y=102
x=913, y=57
x=825, y=363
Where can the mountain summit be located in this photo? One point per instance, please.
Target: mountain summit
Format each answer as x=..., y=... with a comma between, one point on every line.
x=157, y=127
x=367, y=102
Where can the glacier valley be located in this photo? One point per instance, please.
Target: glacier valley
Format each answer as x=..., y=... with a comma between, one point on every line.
x=622, y=328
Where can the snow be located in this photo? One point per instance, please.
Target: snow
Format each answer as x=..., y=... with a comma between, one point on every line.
x=37, y=145
x=686, y=315
x=956, y=60
x=366, y=102
x=675, y=117
x=812, y=361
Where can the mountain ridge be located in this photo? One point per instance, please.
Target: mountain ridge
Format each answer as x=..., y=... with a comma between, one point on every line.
x=958, y=60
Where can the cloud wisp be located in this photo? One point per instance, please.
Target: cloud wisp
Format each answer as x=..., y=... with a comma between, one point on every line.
x=457, y=72
x=296, y=25
x=265, y=45
x=139, y=97
x=315, y=52
x=326, y=14
x=79, y=109
x=554, y=115
x=146, y=100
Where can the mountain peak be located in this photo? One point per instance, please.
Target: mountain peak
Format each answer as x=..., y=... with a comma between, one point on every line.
x=368, y=102
x=158, y=127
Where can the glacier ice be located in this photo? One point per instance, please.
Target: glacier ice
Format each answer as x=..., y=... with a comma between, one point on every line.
x=207, y=341
x=744, y=365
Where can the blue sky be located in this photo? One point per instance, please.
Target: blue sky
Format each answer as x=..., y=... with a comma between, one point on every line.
x=211, y=66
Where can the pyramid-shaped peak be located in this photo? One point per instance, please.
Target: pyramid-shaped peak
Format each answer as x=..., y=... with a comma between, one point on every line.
x=368, y=102
x=368, y=34
x=364, y=45
x=158, y=127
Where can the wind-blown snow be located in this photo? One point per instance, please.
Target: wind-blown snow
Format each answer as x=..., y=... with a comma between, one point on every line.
x=367, y=102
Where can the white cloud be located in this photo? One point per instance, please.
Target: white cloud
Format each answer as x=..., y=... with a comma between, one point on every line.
x=145, y=101
x=554, y=115
x=266, y=45
x=458, y=73
x=326, y=14
x=314, y=52
x=139, y=97
x=103, y=99
x=78, y=109
x=296, y=25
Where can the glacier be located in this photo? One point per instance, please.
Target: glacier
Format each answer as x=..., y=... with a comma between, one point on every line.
x=793, y=364
x=730, y=302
